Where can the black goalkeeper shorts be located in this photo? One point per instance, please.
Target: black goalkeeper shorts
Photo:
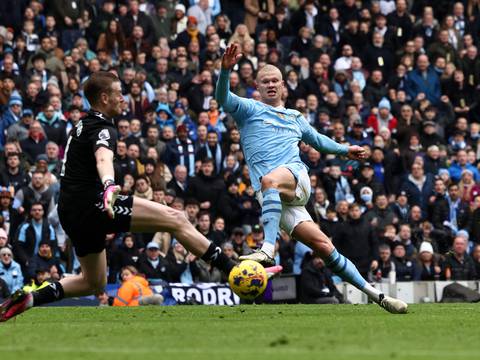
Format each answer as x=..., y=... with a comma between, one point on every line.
x=87, y=225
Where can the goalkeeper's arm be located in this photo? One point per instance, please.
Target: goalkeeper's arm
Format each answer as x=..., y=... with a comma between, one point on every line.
x=104, y=158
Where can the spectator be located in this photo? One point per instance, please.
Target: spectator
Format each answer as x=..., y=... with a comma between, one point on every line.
x=10, y=271
x=428, y=269
x=153, y=264
x=43, y=259
x=423, y=82
x=405, y=268
x=356, y=239
x=381, y=269
x=458, y=265
x=36, y=191
x=32, y=233
x=35, y=144
x=460, y=164
x=135, y=290
x=317, y=286
x=206, y=186
x=418, y=186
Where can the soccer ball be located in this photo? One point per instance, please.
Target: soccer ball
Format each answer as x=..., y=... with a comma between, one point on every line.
x=248, y=279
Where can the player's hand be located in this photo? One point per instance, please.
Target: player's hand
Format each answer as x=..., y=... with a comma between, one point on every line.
x=109, y=197
x=356, y=152
x=230, y=57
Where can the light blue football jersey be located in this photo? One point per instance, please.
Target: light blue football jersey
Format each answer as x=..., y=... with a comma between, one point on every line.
x=270, y=135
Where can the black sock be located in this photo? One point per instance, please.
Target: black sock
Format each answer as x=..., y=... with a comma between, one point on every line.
x=52, y=292
x=217, y=258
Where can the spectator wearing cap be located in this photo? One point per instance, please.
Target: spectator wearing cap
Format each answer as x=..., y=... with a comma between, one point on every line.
x=180, y=151
x=206, y=187
x=460, y=164
x=405, y=267
x=383, y=118
x=457, y=264
x=256, y=237
x=18, y=131
x=356, y=238
x=428, y=267
x=10, y=270
x=357, y=135
x=400, y=207
x=13, y=114
x=153, y=264
x=366, y=178
x=53, y=125
x=191, y=33
x=423, y=82
x=43, y=259
x=178, y=21
x=418, y=186
x=429, y=136
x=238, y=241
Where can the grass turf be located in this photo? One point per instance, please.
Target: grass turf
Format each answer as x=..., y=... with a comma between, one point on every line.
x=429, y=331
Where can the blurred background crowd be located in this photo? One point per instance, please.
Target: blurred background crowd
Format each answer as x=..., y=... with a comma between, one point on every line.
x=400, y=78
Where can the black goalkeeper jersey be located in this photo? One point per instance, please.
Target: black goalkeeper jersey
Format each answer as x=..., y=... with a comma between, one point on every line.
x=79, y=176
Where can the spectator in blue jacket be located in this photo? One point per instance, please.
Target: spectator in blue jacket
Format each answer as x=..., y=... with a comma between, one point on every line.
x=10, y=270
x=461, y=164
x=423, y=80
x=11, y=115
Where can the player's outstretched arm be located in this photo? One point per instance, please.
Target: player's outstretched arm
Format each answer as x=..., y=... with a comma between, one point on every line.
x=229, y=101
x=104, y=158
x=324, y=144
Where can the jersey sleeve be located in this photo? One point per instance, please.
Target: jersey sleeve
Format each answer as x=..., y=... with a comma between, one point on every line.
x=320, y=142
x=104, y=137
x=237, y=106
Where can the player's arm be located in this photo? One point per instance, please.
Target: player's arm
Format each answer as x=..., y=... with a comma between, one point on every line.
x=104, y=158
x=230, y=102
x=324, y=144
x=104, y=143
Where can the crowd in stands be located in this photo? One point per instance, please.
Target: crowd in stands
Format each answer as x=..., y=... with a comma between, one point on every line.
x=400, y=78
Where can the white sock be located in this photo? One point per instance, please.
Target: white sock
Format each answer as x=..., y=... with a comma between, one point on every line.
x=372, y=293
x=268, y=249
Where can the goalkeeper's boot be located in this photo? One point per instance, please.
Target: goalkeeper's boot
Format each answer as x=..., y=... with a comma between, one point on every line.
x=273, y=271
x=392, y=305
x=260, y=257
x=16, y=304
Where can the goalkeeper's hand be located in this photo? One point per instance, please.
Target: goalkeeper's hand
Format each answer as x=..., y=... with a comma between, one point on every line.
x=110, y=194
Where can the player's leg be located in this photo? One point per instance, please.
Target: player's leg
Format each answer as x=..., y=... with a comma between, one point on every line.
x=277, y=186
x=92, y=280
x=149, y=216
x=310, y=234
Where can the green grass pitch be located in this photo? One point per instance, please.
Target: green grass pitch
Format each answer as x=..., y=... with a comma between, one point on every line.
x=429, y=331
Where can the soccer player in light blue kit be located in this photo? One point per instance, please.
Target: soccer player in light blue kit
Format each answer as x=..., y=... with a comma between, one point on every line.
x=270, y=134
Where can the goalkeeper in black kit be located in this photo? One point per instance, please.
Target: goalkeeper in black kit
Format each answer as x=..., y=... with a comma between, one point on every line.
x=90, y=206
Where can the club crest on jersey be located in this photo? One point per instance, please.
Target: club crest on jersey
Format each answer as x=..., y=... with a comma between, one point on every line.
x=79, y=128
